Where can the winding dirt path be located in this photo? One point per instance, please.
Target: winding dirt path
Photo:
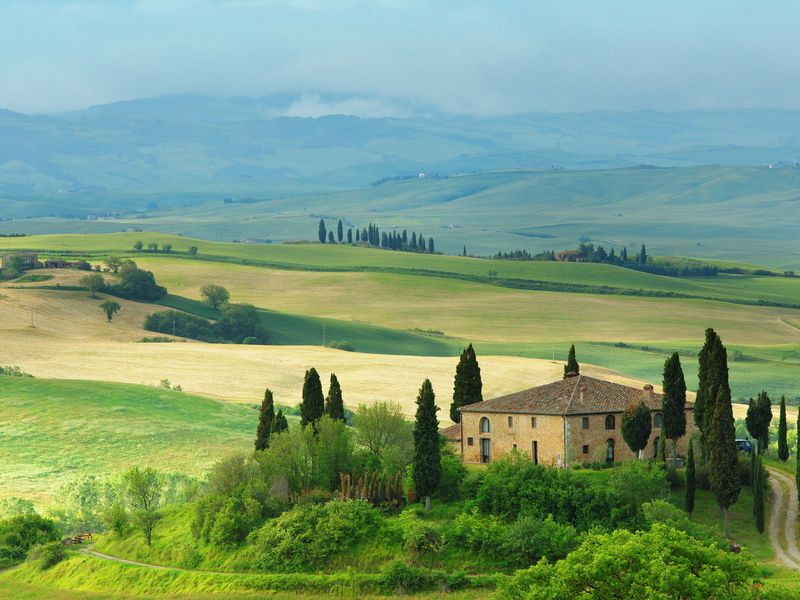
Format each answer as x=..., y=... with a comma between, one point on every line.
x=89, y=552
x=784, y=514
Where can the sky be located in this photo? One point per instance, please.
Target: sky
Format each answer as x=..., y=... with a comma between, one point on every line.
x=457, y=56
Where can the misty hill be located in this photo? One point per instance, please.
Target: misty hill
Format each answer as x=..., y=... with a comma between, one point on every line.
x=190, y=148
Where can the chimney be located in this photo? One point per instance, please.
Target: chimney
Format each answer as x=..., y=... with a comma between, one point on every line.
x=580, y=391
x=648, y=393
x=571, y=374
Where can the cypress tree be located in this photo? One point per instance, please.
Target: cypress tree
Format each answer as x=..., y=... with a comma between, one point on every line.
x=331, y=240
x=636, y=426
x=280, y=423
x=753, y=455
x=723, y=459
x=421, y=244
x=358, y=235
x=464, y=253
x=704, y=358
x=427, y=455
x=643, y=256
x=688, y=501
x=350, y=235
x=624, y=254
x=759, y=416
x=673, y=403
x=340, y=231
x=572, y=365
x=334, y=406
x=414, y=241
x=758, y=496
x=431, y=247
x=266, y=417
x=662, y=447
x=313, y=405
x=322, y=232
x=797, y=459
x=467, y=385
x=783, y=445
x=405, y=240
x=365, y=235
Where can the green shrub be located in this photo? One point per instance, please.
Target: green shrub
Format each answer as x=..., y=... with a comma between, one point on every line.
x=19, y=534
x=50, y=554
x=661, y=511
x=528, y=540
x=235, y=520
x=472, y=483
x=480, y=533
x=638, y=481
x=674, y=478
x=398, y=578
x=515, y=487
x=702, y=477
x=308, y=536
x=452, y=475
x=116, y=519
x=420, y=537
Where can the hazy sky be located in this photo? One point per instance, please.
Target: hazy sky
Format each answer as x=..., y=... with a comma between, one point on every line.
x=455, y=55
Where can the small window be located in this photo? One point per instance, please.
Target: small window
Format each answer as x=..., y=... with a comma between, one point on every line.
x=585, y=422
x=485, y=427
x=611, y=422
x=586, y=448
x=533, y=422
x=510, y=421
x=513, y=446
x=470, y=441
x=658, y=420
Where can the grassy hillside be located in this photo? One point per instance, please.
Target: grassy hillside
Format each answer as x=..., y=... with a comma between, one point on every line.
x=55, y=430
x=716, y=212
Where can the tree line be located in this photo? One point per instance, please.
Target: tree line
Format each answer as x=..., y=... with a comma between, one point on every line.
x=641, y=261
x=372, y=236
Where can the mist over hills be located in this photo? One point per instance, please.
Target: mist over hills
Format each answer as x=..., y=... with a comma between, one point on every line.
x=200, y=147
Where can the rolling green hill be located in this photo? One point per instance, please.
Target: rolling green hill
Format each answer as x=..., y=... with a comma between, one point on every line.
x=746, y=214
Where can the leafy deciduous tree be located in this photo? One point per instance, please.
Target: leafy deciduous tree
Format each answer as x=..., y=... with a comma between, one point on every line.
x=93, y=282
x=636, y=426
x=143, y=492
x=110, y=307
x=215, y=295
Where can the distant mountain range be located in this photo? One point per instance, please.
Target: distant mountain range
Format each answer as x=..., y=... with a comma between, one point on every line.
x=190, y=148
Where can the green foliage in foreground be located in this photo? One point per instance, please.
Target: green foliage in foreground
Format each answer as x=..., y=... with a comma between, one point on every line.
x=19, y=534
x=661, y=563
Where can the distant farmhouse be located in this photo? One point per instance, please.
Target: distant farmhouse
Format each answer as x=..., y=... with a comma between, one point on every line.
x=30, y=260
x=577, y=419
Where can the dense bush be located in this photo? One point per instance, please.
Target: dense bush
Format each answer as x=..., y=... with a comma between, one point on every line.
x=306, y=537
x=516, y=487
x=19, y=534
x=661, y=511
x=420, y=537
x=234, y=521
x=49, y=554
x=398, y=578
x=481, y=533
x=238, y=323
x=136, y=284
x=528, y=540
x=182, y=324
x=659, y=563
x=452, y=475
x=638, y=481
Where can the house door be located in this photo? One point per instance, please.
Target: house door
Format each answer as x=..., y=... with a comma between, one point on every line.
x=486, y=450
x=610, y=451
x=535, y=452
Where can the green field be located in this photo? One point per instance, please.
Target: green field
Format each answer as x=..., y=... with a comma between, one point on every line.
x=744, y=214
x=52, y=431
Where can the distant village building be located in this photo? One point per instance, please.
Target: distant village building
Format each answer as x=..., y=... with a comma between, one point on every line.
x=576, y=419
x=568, y=256
x=30, y=260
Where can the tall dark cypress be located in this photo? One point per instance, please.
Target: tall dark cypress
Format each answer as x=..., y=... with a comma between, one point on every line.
x=365, y=235
x=404, y=240
x=340, y=231
x=313, y=405
x=673, y=402
x=758, y=495
x=350, y=235
x=688, y=501
x=643, y=256
x=266, y=416
x=723, y=456
x=431, y=246
x=572, y=365
x=759, y=416
x=280, y=423
x=334, y=405
x=783, y=445
x=323, y=234
x=421, y=244
x=467, y=385
x=413, y=241
x=427, y=454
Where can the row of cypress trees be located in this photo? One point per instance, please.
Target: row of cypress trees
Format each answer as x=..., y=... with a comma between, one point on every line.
x=373, y=236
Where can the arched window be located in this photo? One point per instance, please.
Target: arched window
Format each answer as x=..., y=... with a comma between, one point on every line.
x=485, y=427
x=610, y=450
x=658, y=419
x=611, y=422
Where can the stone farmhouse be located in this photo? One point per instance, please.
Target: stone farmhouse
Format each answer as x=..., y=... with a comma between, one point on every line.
x=576, y=419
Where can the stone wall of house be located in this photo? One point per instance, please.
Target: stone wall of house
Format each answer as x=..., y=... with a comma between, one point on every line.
x=591, y=444
x=548, y=434
x=583, y=444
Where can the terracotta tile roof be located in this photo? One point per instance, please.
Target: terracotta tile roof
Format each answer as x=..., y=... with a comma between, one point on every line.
x=578, y=395
x=452, y=433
